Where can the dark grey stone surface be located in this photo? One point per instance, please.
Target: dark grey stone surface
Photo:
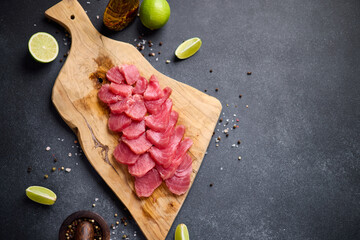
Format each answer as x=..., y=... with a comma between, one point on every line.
x=300, y=135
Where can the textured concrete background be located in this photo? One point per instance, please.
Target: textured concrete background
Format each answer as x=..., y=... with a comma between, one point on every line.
x=300, y=135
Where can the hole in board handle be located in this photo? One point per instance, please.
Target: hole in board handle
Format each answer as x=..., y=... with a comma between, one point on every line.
x=72, y=17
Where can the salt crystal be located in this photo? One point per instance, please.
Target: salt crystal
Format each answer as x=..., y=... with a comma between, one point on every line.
x=88, y=2
x=77, y=164
x=221, y=168
x=69, y=154
x=97, y=17
x=205, y=153
x=68, y=169
x=96, y=199
x=62, y=140
x=156, y=59
x=234, y=115
x=72, y=146
x=47, y=148
x=34, y=24
x=216, y=145
x=59, y=139
x=216, y=140
x=75, y=154
x=65, y=43
x=233, y=145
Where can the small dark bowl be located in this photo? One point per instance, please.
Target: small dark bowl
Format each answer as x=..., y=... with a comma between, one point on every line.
x=85, y=214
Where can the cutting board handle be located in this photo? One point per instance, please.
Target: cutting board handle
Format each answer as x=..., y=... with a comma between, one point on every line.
x=72, y=16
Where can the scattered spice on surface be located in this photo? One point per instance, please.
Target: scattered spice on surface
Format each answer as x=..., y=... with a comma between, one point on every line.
x=47, y=148
x=29, y=169
x=115, y=215
x=238, y=142
x=227, y=105
x=240, y=96
x=46, y=176
x=160, y=43
x=124, y=236
x=159, y=52
x=205, y=90
x=53, y=169
x=93, y=205
x=62, y=168
x=69, y=154
x=247, y=106
x=211, y=71
x=151, y=54
x=68, y=169
x=221, y=119
x=167, y=61
x=60, y=60
x=211, y=184
x=117, y=223
x=239, y=158
x=248, y=73
x=216, y=89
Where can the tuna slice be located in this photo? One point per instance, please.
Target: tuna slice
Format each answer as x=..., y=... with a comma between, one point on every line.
x=159, y=122
x=123, y=154
x=118, y=122
x=123, y=90
x=142, y=165
x=178, y=185
x=106, y=95
x=130, y=73
x=161, y=139
x=153, y=90
x=140, y=86
x=121, y=106
x=137, y=110
x=177, y=159
x=145, y=185
x=185, y=167
x=154, y=106
x=138, y=145
x=164, y=156
x=114, y=75
x=134, y=130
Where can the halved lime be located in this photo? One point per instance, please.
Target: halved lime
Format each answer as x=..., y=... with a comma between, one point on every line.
x=41, y=195
x=181, y=232
x=43, y=47
x=188, y=48
x=154, y=14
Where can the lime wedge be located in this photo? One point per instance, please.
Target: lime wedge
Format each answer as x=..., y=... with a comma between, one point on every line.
x=43, y=47
x=41, y=195
x=181, y=232
x=188, y=48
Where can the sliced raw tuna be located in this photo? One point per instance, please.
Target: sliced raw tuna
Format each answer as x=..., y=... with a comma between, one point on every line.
x=177, y=159
x=123, y=154
x=121, y=106
x=118, y=122
x=159, y=122
x=164, y=156
x=138, y=145
x=122, y=90
x=106, y=95
x=131, y=73
x=145, y=185
x=134, y=130
x=137, y=110
x=114, y=75
x=178, y=185
x=185, y=167
x=154, y=106
x=142, y=165
x=153, y=90
x=140, y=86
x=161, y=139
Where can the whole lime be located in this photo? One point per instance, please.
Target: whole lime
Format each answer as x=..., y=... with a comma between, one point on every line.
x=154, y=14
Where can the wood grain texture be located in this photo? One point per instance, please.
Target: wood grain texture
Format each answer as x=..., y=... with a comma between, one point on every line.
x=75, y=97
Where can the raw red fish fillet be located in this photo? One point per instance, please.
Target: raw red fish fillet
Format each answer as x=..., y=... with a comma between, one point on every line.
x=114, y=75
x=123, y=90
x=185, y=167
x=131, y=73
x=142, y=165
x=154, y=106
x=178, y=185
x=138, y=145
x=106, y=95
x=177, y=159
x=159, y=122
x=137, y=110
x=153, y=90
x=118, y=122
x=161, y=139
x=121, y=106
x=140, y=86
x=180, y=182
x=145, y=185
x=164, y=156
x=123, y=154
x=134, y=130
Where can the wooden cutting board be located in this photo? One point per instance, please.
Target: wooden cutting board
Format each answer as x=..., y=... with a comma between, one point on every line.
x=75, y=97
